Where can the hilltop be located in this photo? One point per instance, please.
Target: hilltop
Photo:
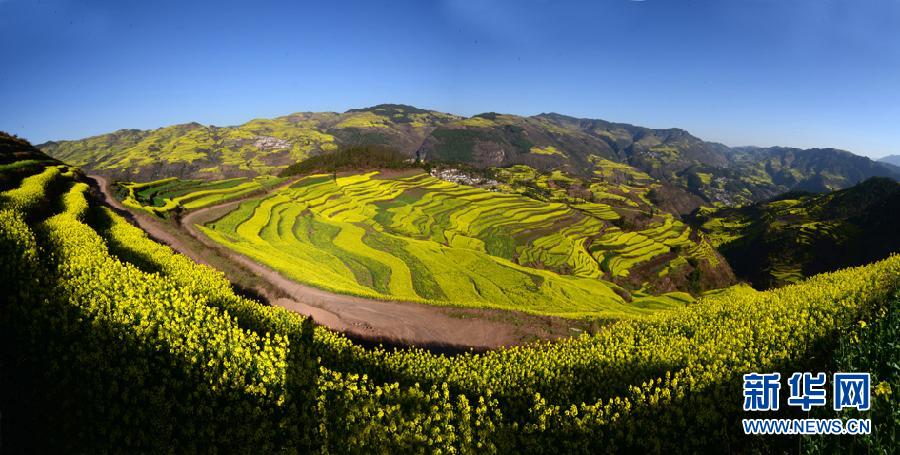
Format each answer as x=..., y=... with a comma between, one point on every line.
x=800, y=234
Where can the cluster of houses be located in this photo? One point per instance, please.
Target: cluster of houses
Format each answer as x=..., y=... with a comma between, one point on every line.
x=271, y=143
x=457, y=176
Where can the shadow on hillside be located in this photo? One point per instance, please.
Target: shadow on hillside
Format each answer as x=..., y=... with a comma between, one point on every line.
x=75, y=382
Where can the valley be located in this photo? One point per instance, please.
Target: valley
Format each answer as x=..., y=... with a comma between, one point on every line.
x=365, y=320
x=551, y=223
x=453, y=227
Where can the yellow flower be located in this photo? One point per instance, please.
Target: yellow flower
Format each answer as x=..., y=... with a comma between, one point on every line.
x=883, y=389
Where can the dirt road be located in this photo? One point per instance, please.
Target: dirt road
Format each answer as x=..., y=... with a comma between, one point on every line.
x=395, y=323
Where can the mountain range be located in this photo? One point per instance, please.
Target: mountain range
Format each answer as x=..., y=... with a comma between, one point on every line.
x=890, y=159
x=720, y=175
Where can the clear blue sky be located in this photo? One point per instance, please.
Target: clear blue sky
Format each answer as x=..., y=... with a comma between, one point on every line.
x=744, y=72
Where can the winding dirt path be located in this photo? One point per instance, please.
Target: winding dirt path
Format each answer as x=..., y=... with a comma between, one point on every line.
x=368, y=320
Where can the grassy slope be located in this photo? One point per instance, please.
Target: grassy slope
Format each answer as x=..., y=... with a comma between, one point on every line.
x=261, y=146
x=640, y=234
x=351, y=158
x=419, y=238
x=797, y=235
x=162, y=197
x=18, y=160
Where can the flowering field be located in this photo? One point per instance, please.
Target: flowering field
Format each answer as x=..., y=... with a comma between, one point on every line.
x=117, y=343
x=418, y=238
x=160, y=197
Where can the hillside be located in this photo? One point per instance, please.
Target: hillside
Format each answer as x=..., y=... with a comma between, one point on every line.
x=718, y=174
x=404, y=234
x=261, y=146
x=110, y=342
x=504, y=140
x=799, y=234
x=17, y=159
x=413, y=237
x=893, y=160
x=815, y=170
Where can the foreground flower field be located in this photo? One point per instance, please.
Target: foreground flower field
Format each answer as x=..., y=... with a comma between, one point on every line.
x=113, y=342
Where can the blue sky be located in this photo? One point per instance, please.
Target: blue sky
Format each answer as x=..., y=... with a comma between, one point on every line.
x=743, y=72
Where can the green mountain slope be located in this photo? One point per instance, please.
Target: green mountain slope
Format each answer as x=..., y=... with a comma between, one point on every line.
x=504, y=140
x=800, y=234
x=816, y=170
x=260, y=146
x=720, y=175
x=19, y=159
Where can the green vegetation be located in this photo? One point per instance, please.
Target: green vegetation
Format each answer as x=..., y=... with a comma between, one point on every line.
x=456, y=144
x=612, y=171
x=111, y=342
x=871, y=347
x=195, y=150
x=350, y=158
x=414, y=237
x=19, y=160
x=613, y=185
x=165, y=196
x=796, y=235
x=719, y=175
x=629, y=200
x=363, y=120
x=549, y=150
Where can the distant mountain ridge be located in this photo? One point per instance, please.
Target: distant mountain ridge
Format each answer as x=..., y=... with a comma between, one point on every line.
x=718, y=174
x=893, y=160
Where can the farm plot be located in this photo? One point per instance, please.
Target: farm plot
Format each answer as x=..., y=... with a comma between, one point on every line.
x=417, y=238
x=163, y=196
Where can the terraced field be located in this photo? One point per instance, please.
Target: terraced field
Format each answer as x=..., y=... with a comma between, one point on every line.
x=620, y=195
x=413, y=237
x=797, y=235
x=613, y=184
x=163, y=196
